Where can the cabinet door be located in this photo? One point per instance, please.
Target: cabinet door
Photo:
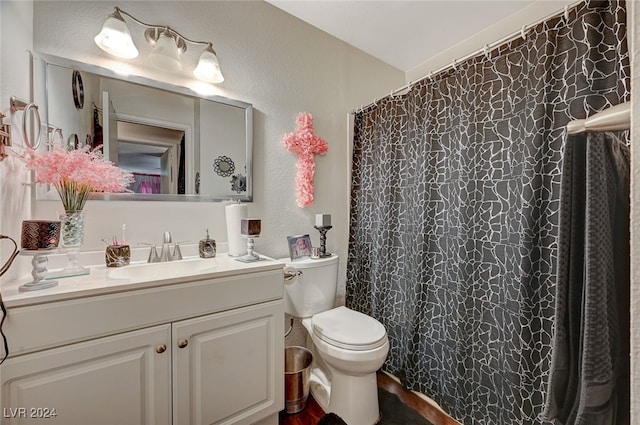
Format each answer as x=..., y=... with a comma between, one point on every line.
x=229, y=367
x=122, y=379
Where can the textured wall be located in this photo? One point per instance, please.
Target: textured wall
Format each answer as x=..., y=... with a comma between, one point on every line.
x=15, y=39
x=276, y=62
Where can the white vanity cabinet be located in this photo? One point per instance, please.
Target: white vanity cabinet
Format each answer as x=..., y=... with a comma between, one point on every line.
x=224, y=366
x=111, y=380
x=200, y=350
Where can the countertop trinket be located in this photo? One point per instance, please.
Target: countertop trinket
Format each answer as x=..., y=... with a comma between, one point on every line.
x=118, y=255
x=207, y=247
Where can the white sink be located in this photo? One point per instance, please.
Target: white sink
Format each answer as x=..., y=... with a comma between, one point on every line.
x=155, y=271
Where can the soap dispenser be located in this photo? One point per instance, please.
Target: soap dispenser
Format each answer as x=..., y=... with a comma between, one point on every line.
x=207, y=247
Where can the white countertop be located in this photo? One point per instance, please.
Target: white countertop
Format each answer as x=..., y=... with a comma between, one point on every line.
x=139, y=275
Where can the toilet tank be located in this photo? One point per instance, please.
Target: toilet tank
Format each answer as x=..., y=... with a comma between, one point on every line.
x=310, y=285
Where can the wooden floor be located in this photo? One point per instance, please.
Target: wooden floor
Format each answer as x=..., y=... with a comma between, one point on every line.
x=313, y=413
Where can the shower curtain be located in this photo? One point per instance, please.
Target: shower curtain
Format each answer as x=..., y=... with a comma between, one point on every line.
x=454, y=212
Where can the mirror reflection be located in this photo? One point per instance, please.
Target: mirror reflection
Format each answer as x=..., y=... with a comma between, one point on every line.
x=153, y=154
x=178, y=145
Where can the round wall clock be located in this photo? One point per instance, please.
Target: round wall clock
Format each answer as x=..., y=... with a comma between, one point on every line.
x=78, y=90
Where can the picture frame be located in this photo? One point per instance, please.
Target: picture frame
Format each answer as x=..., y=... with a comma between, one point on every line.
x=299, y=246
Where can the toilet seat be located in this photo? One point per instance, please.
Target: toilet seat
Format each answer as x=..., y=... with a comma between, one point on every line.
x=349, y=329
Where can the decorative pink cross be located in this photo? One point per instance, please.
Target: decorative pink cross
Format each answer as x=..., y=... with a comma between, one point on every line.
x=305, y=144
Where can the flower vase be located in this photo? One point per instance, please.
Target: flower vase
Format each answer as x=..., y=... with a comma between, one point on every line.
x=71, y=237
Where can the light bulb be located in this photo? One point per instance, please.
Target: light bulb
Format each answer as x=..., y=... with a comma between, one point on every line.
x=208, y=68
x=165, y=53
x=115, y=38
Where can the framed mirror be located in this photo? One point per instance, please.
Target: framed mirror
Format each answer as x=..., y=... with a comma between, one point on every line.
x=179, y=145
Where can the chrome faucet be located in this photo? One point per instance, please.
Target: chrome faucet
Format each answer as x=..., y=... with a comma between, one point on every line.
x=165, y=253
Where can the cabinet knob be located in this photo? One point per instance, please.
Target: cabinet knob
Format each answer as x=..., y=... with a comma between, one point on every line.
x=161, y=348
x=183, y=343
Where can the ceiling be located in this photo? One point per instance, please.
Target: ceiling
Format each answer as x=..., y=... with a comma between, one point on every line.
x=402, y=33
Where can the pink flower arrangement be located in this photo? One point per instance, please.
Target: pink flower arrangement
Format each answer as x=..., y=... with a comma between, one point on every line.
x=76, y=173
x=305, y=144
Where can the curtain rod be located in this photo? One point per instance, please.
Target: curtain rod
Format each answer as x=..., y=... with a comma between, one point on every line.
x=616, y=117
x=485, y=50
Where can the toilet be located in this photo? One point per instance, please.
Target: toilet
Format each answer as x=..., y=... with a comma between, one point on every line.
x=348, y=347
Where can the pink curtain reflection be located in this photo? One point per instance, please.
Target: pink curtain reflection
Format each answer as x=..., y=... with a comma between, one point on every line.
x=145, y=183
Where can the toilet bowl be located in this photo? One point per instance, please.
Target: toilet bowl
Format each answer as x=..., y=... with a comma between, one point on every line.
x=348, y=346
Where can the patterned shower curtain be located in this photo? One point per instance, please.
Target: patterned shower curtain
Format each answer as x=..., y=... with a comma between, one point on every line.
x=454, y=212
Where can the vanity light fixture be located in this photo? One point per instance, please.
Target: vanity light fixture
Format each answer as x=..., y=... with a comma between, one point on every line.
x=167, y=43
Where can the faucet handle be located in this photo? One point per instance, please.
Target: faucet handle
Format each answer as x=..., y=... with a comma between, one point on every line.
x=153, y=252
x=167, y=237
x=153, y=255
x=177, y=254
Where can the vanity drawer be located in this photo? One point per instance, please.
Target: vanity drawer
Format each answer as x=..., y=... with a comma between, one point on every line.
x=37, y=327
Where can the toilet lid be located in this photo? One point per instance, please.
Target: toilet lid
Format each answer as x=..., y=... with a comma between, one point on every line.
x=349, y=329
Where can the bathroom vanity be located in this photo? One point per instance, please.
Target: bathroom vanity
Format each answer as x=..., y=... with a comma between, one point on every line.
x=196, y=341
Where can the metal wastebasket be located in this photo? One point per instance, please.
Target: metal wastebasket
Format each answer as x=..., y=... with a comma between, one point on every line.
x=297, y=367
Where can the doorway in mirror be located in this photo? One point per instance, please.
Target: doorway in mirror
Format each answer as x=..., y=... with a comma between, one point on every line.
x=155, y=156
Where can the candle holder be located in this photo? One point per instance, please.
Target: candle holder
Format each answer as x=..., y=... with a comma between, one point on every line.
x=39, y=272
x=323, y=240
x=250, y=229
x=250, y=255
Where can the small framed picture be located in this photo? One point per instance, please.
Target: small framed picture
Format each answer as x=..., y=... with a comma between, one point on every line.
x=299, y=246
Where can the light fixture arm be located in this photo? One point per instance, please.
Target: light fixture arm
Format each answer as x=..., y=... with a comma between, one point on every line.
x=156, y=30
